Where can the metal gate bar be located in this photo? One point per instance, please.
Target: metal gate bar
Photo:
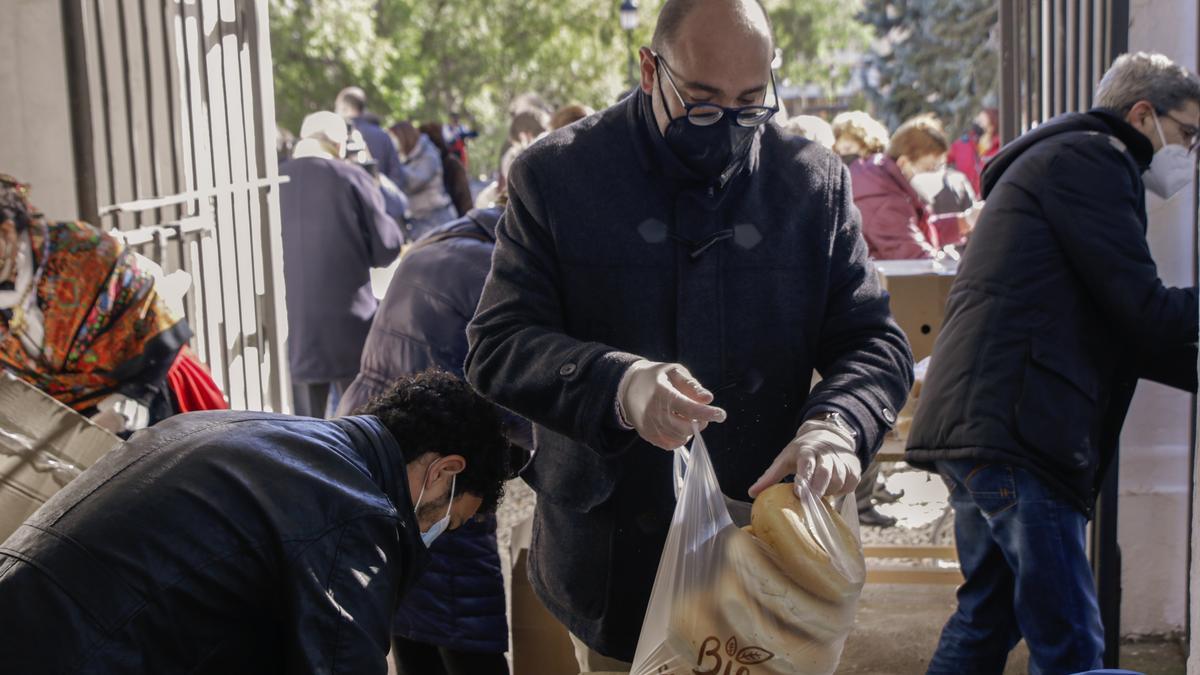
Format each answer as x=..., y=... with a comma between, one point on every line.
x=1051, y=61
x=183, y=131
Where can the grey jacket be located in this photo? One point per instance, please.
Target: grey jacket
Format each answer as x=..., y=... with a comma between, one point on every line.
x=420, y=177
x=610, y=251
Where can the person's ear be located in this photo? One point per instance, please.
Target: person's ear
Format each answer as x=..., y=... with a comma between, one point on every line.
x=449, y=465
x=648, y=68
x=1141, y=117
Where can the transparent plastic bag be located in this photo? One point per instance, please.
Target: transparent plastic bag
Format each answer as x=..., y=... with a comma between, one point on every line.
x=723, y=603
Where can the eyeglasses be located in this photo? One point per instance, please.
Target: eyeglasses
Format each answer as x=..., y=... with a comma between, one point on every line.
x=708, y=114
x=1190, y=132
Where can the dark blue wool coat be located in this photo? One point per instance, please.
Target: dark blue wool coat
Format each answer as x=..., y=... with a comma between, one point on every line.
x=609, y=251
x=335, y=229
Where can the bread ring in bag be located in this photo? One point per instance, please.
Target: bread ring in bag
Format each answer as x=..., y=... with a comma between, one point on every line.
x=779, y=520
x=727, y=623
x=769, y=589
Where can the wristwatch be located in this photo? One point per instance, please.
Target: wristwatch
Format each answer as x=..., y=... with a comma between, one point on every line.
x=834, y=421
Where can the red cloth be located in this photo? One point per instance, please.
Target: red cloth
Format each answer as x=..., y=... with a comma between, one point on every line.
x=965, y=157
x=193, y=388
x=895, y=220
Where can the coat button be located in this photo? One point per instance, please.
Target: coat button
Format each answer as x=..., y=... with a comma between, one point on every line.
x=568, y=369
x=889, y=416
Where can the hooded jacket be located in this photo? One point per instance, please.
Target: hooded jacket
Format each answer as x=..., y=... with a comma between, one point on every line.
x=217, y=543
x=1056, y=312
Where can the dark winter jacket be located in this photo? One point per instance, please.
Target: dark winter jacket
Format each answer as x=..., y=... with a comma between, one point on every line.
x=610, y=250
x=1056, y=312
x=335, y=229
x=422, y=323
x=896, y=221
x=217, y=543
x=381, y=147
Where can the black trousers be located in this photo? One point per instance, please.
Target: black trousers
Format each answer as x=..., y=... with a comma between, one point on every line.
x=317, y=399
x=420, y=658
x=866, y=487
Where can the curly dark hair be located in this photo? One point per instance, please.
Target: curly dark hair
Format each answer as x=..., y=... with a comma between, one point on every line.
x=437, y=412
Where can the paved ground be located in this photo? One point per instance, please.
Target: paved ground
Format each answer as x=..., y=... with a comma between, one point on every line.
x=898, y=625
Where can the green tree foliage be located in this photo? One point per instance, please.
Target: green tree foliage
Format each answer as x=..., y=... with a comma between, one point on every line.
x=939, y=56
x=814, y=36
x=420, y=60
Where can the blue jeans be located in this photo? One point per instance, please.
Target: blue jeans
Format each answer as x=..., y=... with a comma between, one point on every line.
x=1023, y=553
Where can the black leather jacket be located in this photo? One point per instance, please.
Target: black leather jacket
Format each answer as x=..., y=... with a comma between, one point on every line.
x=217, y=543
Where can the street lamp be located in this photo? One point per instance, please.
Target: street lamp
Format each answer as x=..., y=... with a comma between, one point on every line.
x=629, y=15
x=629, y=23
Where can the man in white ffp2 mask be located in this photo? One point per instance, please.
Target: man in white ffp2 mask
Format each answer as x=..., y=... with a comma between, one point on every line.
x=1056, y=312
x=1174, y=164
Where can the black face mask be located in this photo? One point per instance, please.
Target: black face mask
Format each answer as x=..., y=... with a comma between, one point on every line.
x=851, y=158
x=977, y=129
x=708, y=151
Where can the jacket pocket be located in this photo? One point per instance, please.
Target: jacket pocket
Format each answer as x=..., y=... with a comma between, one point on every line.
x=571, y=559
x=1057, y=408
x=569, y=474
x=992, y=487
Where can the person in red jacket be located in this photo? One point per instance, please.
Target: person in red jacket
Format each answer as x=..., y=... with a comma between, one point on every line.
x=897, y=223
x=976, y=146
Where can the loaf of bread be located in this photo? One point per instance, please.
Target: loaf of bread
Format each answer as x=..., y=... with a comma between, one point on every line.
x=735, y=621
x=775, y=603
x=778, y=519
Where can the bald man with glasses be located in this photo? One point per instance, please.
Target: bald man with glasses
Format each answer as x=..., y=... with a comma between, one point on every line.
x=675, y=258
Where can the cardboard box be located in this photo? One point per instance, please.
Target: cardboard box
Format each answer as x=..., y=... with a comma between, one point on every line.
x=43, y=446
x=540, y=644
x=919, y=289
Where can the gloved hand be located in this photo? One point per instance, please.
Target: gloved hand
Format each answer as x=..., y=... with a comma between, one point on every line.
x=659, y=400
x=819, y=453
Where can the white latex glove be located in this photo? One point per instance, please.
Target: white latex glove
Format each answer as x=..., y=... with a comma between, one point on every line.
x=825, y=457
x=660, y=400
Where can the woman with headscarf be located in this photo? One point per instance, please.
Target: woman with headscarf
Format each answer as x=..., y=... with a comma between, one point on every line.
x=80, y=318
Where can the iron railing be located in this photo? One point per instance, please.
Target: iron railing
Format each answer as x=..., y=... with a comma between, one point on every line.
x=173, y=128
x=1052, y=55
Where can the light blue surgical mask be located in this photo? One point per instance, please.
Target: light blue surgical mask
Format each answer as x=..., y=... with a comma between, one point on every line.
x=440, y=526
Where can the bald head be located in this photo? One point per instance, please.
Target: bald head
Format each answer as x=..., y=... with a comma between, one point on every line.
x=682, y=20
x=715, y=51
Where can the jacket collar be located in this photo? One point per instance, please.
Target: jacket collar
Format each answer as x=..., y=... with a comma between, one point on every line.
x=1139, y=146
x=384, y=461
x=486, y=219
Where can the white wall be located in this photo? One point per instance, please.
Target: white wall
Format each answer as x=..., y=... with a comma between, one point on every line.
x=1155, y=446
x=35, y=123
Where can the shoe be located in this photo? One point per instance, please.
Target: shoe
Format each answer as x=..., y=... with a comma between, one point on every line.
x=874, y=518
x=882, y=496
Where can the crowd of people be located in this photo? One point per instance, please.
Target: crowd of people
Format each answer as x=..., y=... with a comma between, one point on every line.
x=682, y=259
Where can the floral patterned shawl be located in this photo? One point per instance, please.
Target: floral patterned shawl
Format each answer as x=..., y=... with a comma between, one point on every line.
x=106, y=330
